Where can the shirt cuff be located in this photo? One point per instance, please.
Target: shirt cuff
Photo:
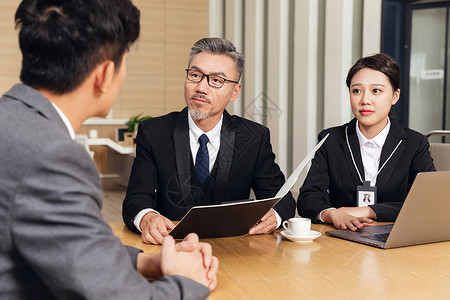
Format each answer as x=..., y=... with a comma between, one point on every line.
x=319, y=216
x=278, y=218
x=140, y=215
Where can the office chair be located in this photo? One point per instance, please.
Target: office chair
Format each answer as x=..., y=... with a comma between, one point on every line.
x=440, y=152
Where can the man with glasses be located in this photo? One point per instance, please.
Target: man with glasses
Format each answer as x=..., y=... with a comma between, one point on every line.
x=202, y=155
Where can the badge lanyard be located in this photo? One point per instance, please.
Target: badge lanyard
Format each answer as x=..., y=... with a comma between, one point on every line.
x=364, y=192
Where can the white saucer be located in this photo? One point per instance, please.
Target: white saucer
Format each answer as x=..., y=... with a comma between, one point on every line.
x=301, y=239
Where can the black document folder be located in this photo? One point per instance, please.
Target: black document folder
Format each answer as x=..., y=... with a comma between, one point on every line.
x=234, y=219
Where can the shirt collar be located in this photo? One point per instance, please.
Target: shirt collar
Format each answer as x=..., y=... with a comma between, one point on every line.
x=65, y=120
x=196, y=132
x=378, y=140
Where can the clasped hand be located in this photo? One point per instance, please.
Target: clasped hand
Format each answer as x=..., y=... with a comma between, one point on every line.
x=189, y=258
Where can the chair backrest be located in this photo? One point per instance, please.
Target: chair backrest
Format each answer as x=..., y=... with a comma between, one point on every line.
x=441, y=156
x=440, y=152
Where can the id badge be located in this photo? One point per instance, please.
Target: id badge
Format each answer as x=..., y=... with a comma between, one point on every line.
x=366, y=194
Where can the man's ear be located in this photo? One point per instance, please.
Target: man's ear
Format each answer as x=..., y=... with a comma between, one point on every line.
x=104, y=74
x=236, y=90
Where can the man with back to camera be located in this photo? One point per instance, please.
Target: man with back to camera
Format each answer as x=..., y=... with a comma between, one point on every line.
x=54, y=243
x=202, y=155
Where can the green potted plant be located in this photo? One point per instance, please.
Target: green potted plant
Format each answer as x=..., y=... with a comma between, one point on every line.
x=134, y=121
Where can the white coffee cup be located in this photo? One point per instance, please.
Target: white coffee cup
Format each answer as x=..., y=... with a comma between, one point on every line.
x=297, y=226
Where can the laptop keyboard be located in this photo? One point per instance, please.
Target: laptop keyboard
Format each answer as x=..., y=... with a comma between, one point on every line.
x=381, y=237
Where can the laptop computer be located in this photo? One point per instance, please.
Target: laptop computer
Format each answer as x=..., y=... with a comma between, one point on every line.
x=422, y=219
x=234, y=218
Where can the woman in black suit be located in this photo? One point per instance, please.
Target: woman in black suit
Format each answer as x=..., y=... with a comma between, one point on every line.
x=371, y=153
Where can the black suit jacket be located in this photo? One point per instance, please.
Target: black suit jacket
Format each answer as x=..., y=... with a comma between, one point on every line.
x=161, y=173
x=332, y=178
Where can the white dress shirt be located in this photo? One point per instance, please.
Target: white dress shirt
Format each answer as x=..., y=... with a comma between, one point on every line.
x=65, y=120
x=213, y=144
x=370, y=155
x=371, y=152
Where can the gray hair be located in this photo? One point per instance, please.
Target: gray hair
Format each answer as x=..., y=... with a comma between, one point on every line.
x=218, y=46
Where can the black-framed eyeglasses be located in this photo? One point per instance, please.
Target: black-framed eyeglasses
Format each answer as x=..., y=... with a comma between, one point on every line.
x=213, y=80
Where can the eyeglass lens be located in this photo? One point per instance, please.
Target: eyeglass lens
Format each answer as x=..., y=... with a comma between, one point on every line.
x=197, y=76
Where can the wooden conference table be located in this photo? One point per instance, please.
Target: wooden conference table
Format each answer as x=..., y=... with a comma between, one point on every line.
x=271, y=267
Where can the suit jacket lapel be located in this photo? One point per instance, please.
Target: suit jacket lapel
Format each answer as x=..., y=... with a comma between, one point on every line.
x=355, y=148
x=183, y=156
x=396, y=134
x=33, y=99
x=225, y=156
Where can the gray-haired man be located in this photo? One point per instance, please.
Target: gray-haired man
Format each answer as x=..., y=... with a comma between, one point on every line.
x=202, y=155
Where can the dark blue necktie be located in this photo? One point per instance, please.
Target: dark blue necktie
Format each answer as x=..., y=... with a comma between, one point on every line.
x=202, y=159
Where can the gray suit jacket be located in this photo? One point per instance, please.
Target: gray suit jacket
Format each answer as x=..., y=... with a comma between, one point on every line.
x=54, y=242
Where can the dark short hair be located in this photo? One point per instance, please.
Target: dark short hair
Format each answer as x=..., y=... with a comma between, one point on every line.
x=218, y=46
x=379, y=62
x=62, y=41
